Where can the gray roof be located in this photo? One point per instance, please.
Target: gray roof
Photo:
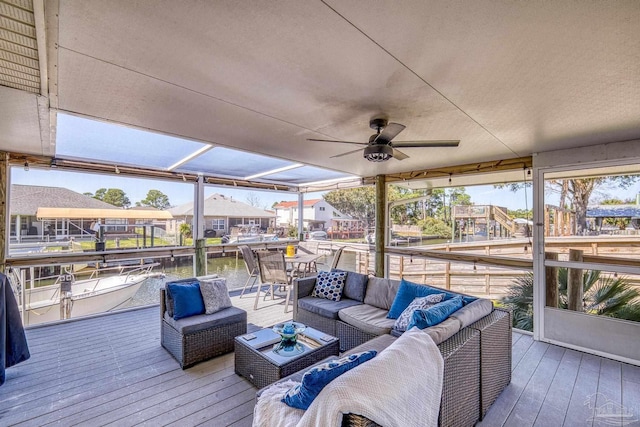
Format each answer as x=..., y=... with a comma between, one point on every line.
x=613, y=211
x=219, y=205
x=26, y=199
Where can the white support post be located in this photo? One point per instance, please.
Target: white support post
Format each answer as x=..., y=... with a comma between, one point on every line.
x=300, y=216
x=539, y=293
x=198, y=211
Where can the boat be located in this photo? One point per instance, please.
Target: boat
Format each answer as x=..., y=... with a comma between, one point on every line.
x=97, y=294
x=251, y=234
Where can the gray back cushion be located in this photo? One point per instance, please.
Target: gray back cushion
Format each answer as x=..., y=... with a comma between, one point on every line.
x=381, y=292
x=473, y=311
x=355, y=286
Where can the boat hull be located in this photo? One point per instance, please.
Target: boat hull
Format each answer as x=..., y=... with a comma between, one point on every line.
x=87, y=297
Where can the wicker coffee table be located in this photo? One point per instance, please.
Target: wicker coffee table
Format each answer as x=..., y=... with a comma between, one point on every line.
x=256, y=361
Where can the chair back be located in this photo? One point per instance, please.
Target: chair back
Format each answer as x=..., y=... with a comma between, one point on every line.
x=249, y=260
x=308, y=247
x=273, y=268
x=336, y=258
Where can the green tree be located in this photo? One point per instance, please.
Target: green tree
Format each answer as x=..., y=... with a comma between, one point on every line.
x=185, y=230
x=435, y=227
x=113, y=196
x=359, y=203
x=575, y=193
x=520, y=213
x=155, y=199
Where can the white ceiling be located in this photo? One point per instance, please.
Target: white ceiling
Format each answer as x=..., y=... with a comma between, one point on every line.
x=507, y=78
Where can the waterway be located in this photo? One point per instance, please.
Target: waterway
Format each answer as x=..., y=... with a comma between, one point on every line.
x=231, y=268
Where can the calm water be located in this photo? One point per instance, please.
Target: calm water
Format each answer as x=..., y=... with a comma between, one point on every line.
x=234, y=270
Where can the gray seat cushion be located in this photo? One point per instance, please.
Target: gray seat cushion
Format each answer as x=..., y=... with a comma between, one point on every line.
x=367, y=318
x=200, y=322
x=325, y=307
x=381, y=292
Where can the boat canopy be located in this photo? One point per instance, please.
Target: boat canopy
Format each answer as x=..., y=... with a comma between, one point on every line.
x=55, y=213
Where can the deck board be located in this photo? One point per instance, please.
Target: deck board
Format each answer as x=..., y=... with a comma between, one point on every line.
x=111, y=370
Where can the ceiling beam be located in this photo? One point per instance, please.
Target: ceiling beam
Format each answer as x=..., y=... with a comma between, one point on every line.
x=461, y=170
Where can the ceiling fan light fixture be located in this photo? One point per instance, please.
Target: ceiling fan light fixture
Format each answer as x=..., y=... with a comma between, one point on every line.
x=378, y=153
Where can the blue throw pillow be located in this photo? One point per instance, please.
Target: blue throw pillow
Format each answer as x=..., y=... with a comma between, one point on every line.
x=187, y=299
x=408, y=291
x=436, y=314
x=315, y=379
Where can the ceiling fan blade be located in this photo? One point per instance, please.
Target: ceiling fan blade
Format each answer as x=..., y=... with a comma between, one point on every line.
x=347, y=153
x=390, y=131
x=341, y=142
x=434, y=143
x=399, y=155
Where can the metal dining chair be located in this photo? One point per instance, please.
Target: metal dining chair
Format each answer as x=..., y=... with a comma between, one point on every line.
x=273, y=273
x=310, y=248
x=252, y=267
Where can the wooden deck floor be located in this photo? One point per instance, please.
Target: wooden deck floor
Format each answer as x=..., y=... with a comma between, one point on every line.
x=111, y=370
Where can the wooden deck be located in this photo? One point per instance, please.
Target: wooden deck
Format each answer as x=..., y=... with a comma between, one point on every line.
x=111, y=370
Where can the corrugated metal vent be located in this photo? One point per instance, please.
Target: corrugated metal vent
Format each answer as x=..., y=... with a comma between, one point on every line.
x=19, y=66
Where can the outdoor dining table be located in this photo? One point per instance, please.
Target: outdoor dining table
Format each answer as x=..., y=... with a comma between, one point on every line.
x=302, y=263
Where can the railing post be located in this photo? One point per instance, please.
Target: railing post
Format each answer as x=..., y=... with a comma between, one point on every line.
x=447, y=271
x=551, y=281
x=201, y=257
x=381, y=229
x=574, y=282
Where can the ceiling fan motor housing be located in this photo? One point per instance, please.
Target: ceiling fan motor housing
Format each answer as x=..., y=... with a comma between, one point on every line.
x=378, y=153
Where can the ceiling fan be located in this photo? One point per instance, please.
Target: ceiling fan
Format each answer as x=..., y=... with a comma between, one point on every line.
x=380, y=148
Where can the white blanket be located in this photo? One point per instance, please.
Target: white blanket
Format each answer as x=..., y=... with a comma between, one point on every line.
x=401, y=386
x=271, y=412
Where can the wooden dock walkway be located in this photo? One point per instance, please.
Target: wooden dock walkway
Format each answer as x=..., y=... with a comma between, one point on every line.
x=111, y=370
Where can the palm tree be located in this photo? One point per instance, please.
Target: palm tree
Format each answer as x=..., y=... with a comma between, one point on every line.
x=605, y=295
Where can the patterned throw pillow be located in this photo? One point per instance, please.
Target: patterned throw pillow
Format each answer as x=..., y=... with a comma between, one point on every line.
x=315, y=379
x=419, y=303
x=330, y=285
x=215, y=295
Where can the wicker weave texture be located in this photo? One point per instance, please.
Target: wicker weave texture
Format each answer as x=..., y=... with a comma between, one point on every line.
x=192, y=348
x=350, y=336
x=260, y=371
x=495, y=355
x=321, y=323
x=353, y=420
x=460, y=404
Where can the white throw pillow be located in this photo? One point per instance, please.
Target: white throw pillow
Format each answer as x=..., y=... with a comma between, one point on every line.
x=215, y=295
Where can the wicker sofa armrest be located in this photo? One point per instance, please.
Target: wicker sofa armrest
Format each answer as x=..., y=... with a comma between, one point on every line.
x=302, y=288
x=163, y=304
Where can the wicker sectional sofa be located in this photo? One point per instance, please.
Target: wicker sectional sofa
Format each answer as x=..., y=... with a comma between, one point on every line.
x=475, y=344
